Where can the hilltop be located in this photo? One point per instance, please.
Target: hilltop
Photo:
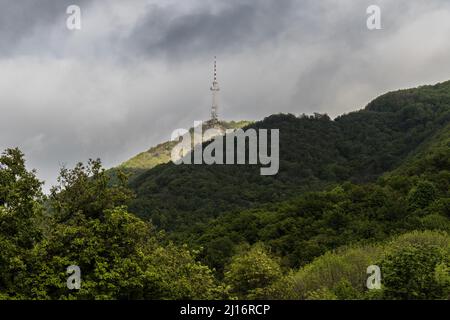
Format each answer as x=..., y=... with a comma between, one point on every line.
x=160, y=154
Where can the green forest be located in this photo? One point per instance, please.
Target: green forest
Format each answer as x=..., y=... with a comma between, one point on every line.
x=371, y=187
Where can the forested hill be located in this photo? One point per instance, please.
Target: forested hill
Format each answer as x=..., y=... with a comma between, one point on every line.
x=414, y=196
x=315, y=152
x=369, y=188
x=160, y=154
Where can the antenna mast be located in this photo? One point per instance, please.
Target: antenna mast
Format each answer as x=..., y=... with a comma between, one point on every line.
x=215, y=90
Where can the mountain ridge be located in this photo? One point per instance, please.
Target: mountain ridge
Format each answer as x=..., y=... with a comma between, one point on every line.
x=161, y=153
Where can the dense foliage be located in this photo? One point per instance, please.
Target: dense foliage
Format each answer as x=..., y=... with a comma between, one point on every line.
x=368, y=188
x=413, y=266
x=315, y=152
x=87, y=224
x=309, y=224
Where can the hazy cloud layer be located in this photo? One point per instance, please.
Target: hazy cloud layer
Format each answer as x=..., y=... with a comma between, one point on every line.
x=139, y=69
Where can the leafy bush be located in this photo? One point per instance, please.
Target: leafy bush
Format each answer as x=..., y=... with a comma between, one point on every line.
x=251, y=271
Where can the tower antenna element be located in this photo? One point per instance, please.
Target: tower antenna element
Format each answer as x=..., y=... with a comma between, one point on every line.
x=215, y=90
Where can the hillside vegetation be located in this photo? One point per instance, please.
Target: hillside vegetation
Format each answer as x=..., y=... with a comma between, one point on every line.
x=371, y=187
x=161, y=153
x=315, y=152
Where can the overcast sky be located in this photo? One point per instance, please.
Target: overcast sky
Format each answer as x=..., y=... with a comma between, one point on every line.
x=139, y=69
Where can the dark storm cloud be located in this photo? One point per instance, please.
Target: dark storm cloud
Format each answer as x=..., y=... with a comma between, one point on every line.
x=236, y=25
x=27, y=27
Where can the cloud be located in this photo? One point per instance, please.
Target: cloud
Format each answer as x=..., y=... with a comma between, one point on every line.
x=140, y=69
x=233, y=27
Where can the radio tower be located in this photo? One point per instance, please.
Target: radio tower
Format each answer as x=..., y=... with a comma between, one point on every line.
x=215, y=90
